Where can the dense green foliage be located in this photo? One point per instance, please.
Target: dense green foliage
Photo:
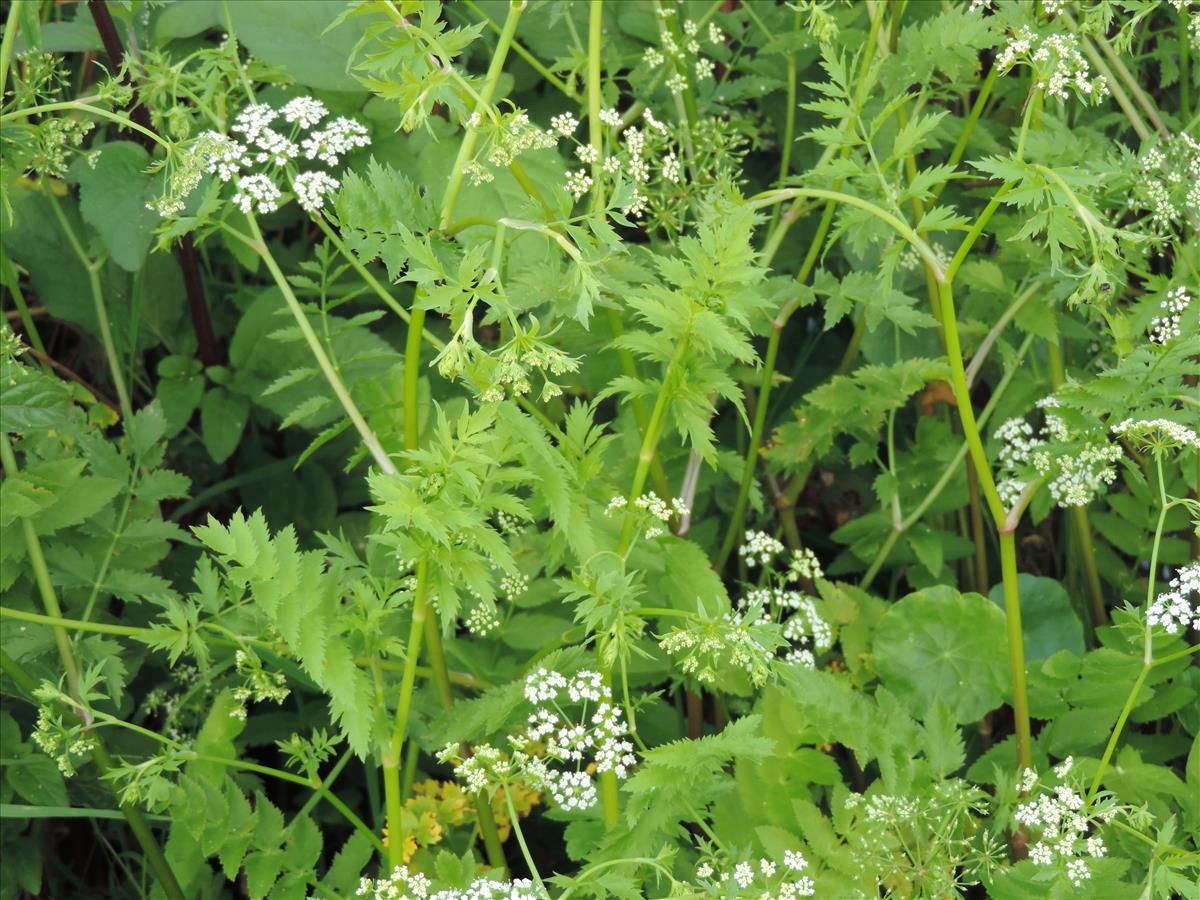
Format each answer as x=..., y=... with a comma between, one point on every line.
x=600, y=449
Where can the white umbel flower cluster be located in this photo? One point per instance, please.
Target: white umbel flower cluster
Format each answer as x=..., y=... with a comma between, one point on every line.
x=805, y=632
x=1166, y=326
x=402, y=884
x=1157, y=435
x=778, y=879
x=1165, y=182
x=1065, y=826
x=1076, y=467
x=654, y=510
x=1175, y=610
x=264, y=157
x=576, y=744
x=1059, y=66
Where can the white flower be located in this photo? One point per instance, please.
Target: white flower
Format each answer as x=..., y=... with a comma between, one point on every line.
x=1166, y=326
x=610, y=117
x=304, y=111
x=1078, y=872
x=794, y=860
x=1172, y=610
x=543, y=685
x=564, y=124
x=616, y=503
x=586, y=685
x=578, y=183
x=572, y=790
x=653, y=122
x=226, y=157
x=253, y=119
x=1158, y=434
x=311, y=189
x=743, y=874
x=704, y=69
x=257, y=193
x=587, y=153
x=1041, y=854
x=671, y=169
x=760, y=548
x=804, y=564
x=337, y=138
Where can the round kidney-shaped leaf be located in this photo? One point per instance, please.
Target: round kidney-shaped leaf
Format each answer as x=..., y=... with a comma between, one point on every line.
x=940, y=644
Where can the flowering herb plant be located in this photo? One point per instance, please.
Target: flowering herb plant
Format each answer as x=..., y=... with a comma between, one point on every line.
x=668, y=448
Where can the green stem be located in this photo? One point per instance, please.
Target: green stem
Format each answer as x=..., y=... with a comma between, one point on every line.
x=41, y=576
x=490, y=832
x=1080, y=525
x=55, y=620
x=1185, y=74
x=962, y=397
x=948, y=473
x=92, y=267
x=142, y=834
x=6, y=44
x=1147, y=651
x=259, y=245
x=84, y=105
x=12, y=281
x=516, y=826
x=483, y=103
x=533, y=61
x=595, y=126
x=1016, y=647
x=365, y=275
x=648, y=449
x=902, y=228
x=391, y=759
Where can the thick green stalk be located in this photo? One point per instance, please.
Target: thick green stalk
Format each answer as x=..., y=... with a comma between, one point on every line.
x=137, y=824
x=392, y=757
x=1016, y=647
x=934, y=492
x=1185, y=73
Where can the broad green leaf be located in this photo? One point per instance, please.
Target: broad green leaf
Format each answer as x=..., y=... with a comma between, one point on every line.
x=294, y=35
x=223, y=416
x=35, y=779
x=940, y=644
x=114, y=188
x=1048, y=620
